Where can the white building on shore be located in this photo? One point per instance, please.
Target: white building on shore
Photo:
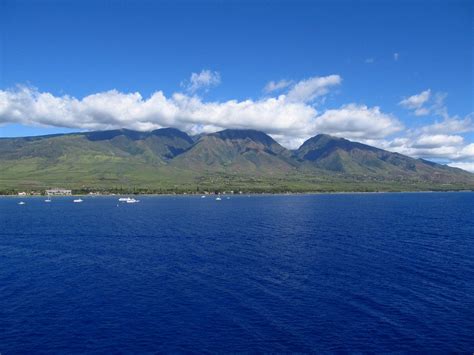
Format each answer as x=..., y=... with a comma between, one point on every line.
x=58, y=192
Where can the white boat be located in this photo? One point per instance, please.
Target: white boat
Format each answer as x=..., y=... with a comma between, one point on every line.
x=218, y=199
x=21, y=203
x=47, y=200
x=128, y=200
x=203, y=196
x=77, y=200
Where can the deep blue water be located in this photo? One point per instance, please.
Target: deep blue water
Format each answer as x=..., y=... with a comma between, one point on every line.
x=349, y=272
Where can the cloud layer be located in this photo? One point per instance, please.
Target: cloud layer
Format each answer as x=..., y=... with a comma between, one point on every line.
x=439, y=140
x=358, y=121
x=290, y=117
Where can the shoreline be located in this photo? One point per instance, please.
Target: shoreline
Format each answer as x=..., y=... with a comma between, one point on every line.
x=249, y=194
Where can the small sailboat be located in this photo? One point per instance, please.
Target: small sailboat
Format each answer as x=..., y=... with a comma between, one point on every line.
x=218, y=199
x=21, y=203
x=77, y=200
x=47, y=200
x=203, y=196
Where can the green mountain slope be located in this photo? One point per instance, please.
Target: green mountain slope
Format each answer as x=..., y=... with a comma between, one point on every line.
x=168, y=160
x=351, y=158
x=245, y=152
x=109, y=158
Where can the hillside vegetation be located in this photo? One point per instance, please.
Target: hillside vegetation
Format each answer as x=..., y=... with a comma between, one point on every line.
x=168, y=160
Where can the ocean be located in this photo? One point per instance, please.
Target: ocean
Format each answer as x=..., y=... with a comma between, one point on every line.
x=278, y=273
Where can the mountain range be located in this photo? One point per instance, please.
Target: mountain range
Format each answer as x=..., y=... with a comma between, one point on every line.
x=169, y=160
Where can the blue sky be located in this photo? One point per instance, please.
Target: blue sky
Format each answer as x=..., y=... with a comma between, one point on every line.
x=348, y=65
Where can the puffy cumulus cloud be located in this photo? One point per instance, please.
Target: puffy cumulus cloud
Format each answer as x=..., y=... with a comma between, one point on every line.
x=357, y=121
x=309, y=89
x=103, y=110
x=416, y=102
x=276, y=85
x=290, y=122
x=272, y=115
x=113, y=109
x=203, y=80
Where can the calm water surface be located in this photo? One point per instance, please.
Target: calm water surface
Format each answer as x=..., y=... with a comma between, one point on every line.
x=352, y=272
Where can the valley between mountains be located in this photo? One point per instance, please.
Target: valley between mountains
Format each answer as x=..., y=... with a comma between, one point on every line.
x=170, y=161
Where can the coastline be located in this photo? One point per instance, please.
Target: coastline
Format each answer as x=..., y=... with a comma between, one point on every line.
x=249, y=194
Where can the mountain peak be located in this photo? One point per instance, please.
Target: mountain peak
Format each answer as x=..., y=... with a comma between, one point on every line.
x=137, y=135
x=110, y=134
x=324, y=142
x=172, y=133
x=158, y=158
x=254, y=135
x=321, y=139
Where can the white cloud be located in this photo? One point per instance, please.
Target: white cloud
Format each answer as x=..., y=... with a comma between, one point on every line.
x=436, y=147
x=309, y=89
x=437, y=140
x=416, y=102
x=203, y=80
x=468, y=166
x=276, y=85
x=439, y=107
x=422, y=111
x=288, y=120
x=450, y=125
x=426, y=103
x=467, y=152
x=113, y=109
x=369, y=61
x=358, y=121
x=396, y=56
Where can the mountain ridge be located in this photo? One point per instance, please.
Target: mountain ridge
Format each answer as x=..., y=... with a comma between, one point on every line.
x=168, y=158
